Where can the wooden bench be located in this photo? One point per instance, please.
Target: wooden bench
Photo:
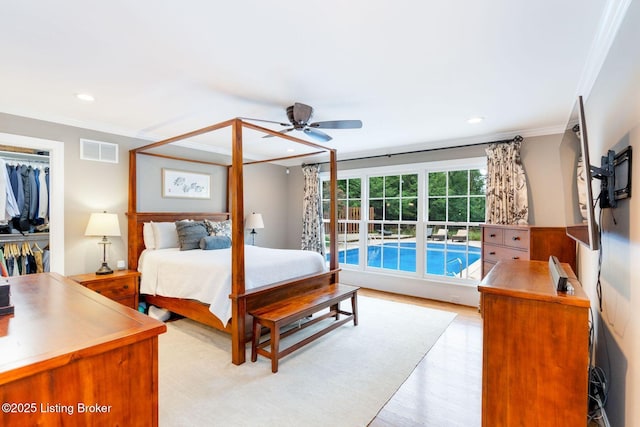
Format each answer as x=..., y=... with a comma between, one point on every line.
x=282, y=313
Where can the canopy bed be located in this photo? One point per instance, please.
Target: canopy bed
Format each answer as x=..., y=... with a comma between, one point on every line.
x=242, y=297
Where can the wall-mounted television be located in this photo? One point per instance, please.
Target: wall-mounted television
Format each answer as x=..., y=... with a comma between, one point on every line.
x=577, y=177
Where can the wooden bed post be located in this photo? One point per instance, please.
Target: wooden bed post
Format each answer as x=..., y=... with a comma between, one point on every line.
x=238, y=305
x=333, y=215
x=132, y=255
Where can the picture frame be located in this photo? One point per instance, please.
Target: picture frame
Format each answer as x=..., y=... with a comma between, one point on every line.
x=185, y=184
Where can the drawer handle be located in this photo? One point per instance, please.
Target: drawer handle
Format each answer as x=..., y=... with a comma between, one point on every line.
x=492, y=235
x=126, y=286
x=515, y=257
x=492, y=253
x=515, y=238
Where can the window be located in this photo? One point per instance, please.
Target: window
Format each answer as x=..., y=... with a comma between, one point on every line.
x=391, y=231
x=419, y=219
x=455, y=207
x=348, y=198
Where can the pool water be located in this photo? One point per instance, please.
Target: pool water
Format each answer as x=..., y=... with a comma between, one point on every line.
x=442, y=260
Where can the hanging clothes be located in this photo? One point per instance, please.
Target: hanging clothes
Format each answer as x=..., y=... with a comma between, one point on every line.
x=8, y=202
x=43, y=195
x=37, y=254
x=18, y=187
x=24, y=208
x=3, y=264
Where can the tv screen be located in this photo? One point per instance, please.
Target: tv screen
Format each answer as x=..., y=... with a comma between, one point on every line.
x=576, y=174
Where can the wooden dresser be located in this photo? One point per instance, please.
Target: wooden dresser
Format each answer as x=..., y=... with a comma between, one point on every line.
x=69, y=356
x=525, y=242
x=535, y=348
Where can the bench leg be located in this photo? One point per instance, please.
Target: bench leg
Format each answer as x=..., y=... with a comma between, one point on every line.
x=354, y=308
x=336, y=308
x=257, y=328
x=275, y=347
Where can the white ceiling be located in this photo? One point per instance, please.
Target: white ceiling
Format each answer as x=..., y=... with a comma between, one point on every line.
x=412, y=71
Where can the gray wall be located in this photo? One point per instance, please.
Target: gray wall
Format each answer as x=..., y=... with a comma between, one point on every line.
x=539, y=157
x=612, y=114
x=94, y=186
x=89, y=187
x=149, y=172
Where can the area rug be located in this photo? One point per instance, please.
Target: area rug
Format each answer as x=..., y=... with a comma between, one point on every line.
x=342, y=379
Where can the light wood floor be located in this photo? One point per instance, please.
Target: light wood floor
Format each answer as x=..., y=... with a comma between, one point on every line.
x=445, y=388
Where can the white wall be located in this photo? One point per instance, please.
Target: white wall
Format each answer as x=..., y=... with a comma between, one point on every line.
x=612, y=112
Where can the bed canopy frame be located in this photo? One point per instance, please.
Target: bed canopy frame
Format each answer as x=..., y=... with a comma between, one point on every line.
x=242, y=299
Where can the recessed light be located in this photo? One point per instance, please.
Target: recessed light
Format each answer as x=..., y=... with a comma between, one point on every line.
x=290, y=150
x=85, y=97
x=475, y=120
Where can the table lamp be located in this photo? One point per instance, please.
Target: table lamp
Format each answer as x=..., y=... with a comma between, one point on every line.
x=103, y=224
x=254, y=221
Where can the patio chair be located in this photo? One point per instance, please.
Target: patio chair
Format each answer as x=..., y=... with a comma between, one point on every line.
x=440, y=235
x=460, y=236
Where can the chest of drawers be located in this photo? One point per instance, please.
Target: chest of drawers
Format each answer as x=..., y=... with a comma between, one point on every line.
x=525, y=242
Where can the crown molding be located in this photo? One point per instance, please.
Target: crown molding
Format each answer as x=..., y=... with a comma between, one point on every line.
x=614, y=13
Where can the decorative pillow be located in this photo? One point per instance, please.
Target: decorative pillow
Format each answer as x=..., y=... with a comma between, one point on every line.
x=219, y=228
x=147, y=236
x=210, y=226
x=165, y=235
x=215, y=242
x=190, y=233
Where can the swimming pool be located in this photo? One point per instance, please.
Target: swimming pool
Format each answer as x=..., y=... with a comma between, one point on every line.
x=442, y=260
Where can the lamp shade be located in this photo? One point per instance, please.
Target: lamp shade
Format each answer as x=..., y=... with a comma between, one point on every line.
x=103, y=224
x=254, y=221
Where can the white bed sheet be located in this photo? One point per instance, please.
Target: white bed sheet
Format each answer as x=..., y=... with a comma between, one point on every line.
x=206, y=275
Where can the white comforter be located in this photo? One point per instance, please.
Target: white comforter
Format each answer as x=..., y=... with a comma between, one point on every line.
x=206, y=275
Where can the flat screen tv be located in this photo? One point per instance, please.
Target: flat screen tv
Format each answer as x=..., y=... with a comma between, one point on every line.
x=577, y=177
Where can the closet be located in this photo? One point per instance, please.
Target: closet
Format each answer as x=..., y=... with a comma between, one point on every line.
x=24, y=211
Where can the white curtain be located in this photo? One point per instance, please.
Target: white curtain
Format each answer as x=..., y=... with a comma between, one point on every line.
x=507, y=198
x=312, y=230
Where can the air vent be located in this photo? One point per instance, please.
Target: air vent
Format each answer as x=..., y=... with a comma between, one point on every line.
x=98, y=151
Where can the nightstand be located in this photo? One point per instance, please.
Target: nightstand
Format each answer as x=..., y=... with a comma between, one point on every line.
x=121, y=286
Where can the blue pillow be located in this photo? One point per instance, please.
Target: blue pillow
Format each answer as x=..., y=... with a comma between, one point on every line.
x=215, y=242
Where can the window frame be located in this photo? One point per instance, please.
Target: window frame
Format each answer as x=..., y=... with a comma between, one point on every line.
x=422, y=170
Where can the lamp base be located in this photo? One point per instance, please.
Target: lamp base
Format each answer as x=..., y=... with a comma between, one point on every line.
x=105, y=269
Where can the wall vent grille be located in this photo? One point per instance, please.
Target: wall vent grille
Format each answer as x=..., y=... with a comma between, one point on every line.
x=98, y=151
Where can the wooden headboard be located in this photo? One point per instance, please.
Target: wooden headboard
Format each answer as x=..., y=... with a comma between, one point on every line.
x=136, y=222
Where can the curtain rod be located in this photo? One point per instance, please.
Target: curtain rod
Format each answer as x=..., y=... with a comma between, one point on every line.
x=516, y=138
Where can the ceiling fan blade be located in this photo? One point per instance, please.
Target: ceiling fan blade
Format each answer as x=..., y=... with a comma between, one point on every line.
x=282, y=131
x=302, y=112
x=316, y=134
x=338, y=124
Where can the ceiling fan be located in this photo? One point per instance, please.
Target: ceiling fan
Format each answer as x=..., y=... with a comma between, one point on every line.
x=299, y=115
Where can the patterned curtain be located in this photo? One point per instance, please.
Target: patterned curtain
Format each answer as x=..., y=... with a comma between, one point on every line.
x=312, y=230
x=507, y=199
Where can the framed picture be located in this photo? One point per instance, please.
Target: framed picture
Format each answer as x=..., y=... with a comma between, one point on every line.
x=184, y=184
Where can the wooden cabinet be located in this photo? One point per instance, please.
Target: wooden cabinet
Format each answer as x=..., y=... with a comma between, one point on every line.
x=69, y=356
x=525, y=242
x=535, y=348
x=121, y=286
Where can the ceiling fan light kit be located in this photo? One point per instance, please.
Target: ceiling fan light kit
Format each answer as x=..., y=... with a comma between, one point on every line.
x=299, y=116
